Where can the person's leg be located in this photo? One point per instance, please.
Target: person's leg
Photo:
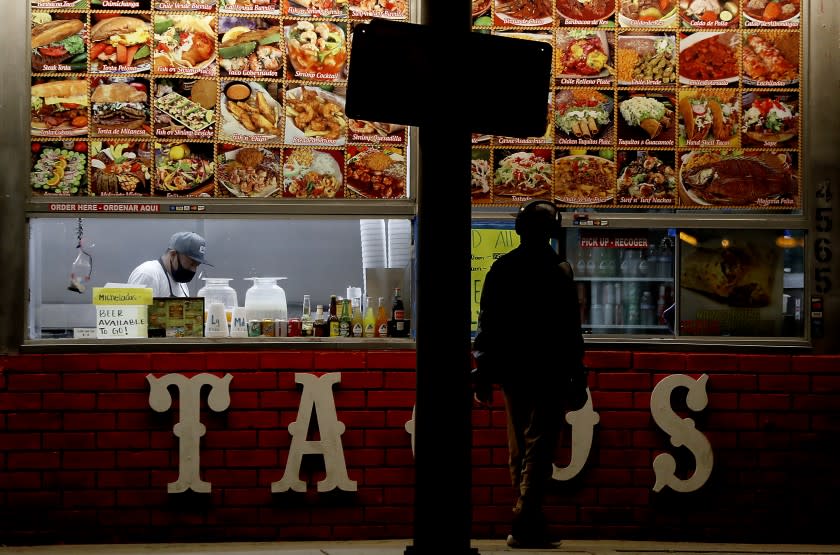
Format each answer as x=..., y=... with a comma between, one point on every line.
x=540, y=434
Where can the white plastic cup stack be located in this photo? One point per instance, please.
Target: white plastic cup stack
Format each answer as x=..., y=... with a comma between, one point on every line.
x=373, y=243
x=239, y=323
x=399, y=243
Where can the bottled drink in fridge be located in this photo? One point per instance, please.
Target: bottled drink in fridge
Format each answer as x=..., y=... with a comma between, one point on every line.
x=646, y=310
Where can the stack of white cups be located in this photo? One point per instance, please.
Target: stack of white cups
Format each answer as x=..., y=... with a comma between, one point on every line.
x=373, y=243
x=399, y=243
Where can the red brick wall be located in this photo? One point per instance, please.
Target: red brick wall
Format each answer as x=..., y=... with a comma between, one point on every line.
x=83, y=458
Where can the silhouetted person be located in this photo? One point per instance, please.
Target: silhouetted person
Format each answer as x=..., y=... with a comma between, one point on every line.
x=529, y=341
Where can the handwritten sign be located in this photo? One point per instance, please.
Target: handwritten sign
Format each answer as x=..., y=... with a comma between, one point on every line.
x=487, y=245
x=122, y=312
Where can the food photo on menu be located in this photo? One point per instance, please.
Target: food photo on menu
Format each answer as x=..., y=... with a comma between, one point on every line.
x=523, y=13
x=315, y=8
x=646, y=58
x=376, y=172
x=262, y=7
x=315, y=116
x=185, y=108
x=250, y=112
x=583, y=116
x=184, y=45
x=522, y=174
x=646, y=118
x=364, y=131
x=57, y=42
x=584, y=177
x=710, y=13
x=119, y=106
x=767, y=13
x=316, y=50
x=770, y=59
x=480, y=175
x=771, y=119
x=647, y=177
x=120, y=168
x=583, y=57
x=709, y=58
x=389, y=9
x=647, y=13
x=120, y=43
x=58, y=168
x=59, y=107
x=739, y=178
x=313, y=173
x=250, y=47
x=709, y=117
x=249, y=171
x=587, y=11
x=184, y=169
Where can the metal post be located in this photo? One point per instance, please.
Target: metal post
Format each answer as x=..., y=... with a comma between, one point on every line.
x=443, y=510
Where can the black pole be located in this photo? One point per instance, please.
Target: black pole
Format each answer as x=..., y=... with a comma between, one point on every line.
x=443, y=435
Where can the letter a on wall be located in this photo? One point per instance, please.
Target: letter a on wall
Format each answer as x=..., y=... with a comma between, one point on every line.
x=682, y=432
x=189, y=428
x=317, y=395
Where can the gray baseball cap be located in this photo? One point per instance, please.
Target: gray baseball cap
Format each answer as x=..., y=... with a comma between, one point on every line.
x=189, y=244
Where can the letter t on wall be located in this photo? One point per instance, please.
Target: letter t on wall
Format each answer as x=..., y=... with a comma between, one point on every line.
x=189, y=428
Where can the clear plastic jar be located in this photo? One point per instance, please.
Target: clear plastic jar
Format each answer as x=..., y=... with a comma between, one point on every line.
x=217, y=290
x=265, y=299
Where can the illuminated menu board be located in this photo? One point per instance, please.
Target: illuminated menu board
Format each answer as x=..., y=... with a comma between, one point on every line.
x=671, y=104
x=205, y=98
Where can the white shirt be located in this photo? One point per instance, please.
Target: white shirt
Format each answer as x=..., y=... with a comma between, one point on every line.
x=151, y=274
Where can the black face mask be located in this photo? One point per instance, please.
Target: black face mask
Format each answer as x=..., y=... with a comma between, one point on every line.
x=181, y=274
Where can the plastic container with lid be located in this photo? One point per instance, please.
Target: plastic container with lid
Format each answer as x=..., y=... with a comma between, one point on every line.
x=265, y=299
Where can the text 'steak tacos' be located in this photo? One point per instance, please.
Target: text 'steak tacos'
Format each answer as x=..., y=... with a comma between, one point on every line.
x=56, y=43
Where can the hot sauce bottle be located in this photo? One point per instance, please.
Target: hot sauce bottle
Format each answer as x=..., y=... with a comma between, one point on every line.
x=332, y=321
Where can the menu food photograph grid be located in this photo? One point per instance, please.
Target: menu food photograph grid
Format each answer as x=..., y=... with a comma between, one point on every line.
x=663, y=104
x=205, y=98
x=656, y=104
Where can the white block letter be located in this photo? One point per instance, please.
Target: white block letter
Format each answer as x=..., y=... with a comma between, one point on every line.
x=583, y=423
x=189, y=428
x=317, y=394
x=682, y=432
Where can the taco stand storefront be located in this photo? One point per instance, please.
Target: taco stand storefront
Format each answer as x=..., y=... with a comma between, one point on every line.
x=180, y=439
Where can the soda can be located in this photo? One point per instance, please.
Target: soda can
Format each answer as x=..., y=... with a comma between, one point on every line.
x=294, y=327
x=282, y=327
x=268, y=327
x=254, y=328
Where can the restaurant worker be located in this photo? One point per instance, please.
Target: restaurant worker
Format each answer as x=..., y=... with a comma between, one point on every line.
x=169, y=275
x=529, y=341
